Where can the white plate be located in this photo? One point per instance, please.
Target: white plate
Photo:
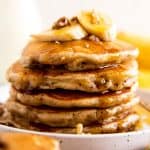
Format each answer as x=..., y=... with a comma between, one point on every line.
x=119, y=141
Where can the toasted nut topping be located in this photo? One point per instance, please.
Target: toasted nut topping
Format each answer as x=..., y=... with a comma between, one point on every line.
x=74, y=20
x=60, y=23
x=93, y=38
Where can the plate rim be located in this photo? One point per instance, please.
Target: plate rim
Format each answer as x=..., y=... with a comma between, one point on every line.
x=63, y=135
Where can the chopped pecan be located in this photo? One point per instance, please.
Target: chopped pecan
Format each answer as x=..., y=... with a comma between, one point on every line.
x=93, y=38
x=60, y=23
x=74, y=20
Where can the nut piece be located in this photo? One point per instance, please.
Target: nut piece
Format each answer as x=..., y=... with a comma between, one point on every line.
x=74, y=20
x=60, y=23
x=93, y=38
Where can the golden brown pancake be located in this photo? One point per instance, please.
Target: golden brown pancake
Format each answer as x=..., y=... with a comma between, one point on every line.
x=65, y=117
x=77, y=55
x=71, y=99
x=116, y=77
x=20, y=141
x=128, y=123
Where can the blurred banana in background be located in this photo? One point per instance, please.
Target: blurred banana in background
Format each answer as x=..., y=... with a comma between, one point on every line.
x=143, y=43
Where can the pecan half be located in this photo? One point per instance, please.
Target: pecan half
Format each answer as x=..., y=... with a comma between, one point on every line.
x=93, y=38
x=60, y=23
x=74, y=20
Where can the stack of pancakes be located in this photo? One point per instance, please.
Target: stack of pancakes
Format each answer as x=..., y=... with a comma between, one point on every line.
x=80, y=86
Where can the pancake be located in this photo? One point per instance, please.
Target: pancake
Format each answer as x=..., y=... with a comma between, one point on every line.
x=126, y=124
x=113, y=78
x=64, y=117
x=22, y=141
x=77, y=55
x=71, y=99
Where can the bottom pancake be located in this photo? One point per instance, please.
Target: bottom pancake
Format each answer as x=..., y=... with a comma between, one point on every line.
x=68, y=118
x=124, y=125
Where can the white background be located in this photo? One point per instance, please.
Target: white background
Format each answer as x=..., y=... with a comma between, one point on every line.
x=20, y=18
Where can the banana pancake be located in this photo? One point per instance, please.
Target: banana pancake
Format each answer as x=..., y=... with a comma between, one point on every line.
x=67, y=118
x=70, y=99
x=112, y=78
x=77, y=55
x=128, y=123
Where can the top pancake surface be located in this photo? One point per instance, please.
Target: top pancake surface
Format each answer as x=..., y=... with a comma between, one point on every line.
x=77, y=55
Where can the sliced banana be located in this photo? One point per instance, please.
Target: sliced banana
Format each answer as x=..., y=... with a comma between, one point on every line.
x=98, y=24
x=68, y=33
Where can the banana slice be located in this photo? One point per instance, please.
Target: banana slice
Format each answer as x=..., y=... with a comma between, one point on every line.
x=68, y=33
x=98, y=24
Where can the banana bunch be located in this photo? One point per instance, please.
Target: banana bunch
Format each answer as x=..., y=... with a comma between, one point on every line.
x=88, y=22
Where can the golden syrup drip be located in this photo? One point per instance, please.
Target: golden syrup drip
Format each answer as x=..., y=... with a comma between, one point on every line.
x=144, y=116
